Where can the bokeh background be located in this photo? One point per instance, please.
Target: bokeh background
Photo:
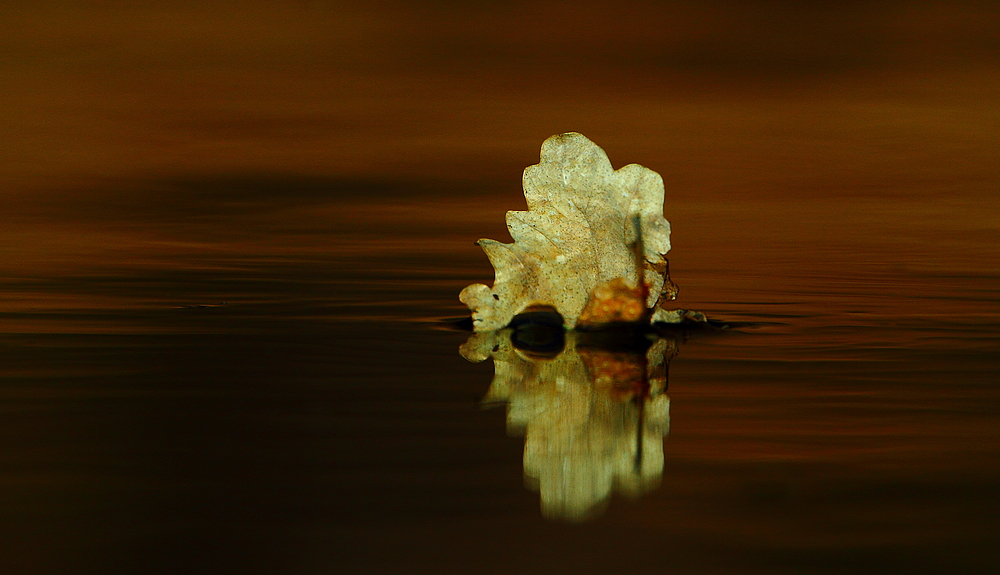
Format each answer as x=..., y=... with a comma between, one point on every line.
x=228, y=231
x=125, y=110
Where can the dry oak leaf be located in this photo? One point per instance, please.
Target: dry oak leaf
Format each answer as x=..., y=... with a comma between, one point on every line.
x=580, y=231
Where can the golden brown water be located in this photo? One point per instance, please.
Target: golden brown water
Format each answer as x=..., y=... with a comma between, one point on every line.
x=323, y=168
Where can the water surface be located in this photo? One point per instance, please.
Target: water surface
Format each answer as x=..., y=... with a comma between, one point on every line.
x=230, y=239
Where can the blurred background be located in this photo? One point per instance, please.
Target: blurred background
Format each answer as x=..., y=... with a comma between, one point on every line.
x=227, y=230
x=135, y=111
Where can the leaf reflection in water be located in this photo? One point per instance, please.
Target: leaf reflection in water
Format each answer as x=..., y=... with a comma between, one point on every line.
x=593, y=415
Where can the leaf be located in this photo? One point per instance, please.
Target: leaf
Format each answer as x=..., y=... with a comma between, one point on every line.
x=587, y=225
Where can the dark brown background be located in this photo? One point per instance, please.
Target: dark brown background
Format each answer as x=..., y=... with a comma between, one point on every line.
x=832, y=176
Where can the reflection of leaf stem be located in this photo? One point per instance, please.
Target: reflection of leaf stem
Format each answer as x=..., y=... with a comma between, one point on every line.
x=640, y=400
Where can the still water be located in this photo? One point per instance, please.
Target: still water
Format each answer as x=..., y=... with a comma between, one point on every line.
x=232, y=240
x=303, y=407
